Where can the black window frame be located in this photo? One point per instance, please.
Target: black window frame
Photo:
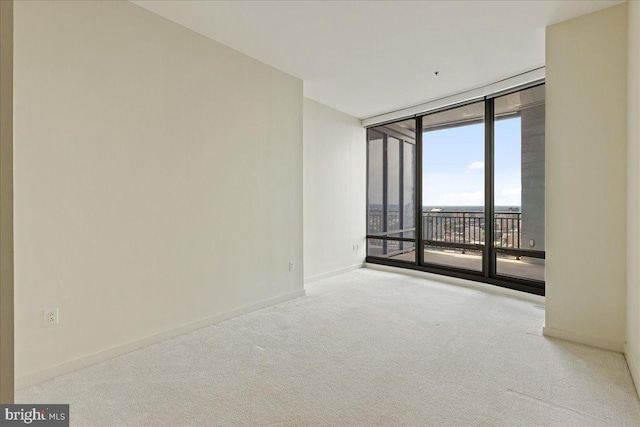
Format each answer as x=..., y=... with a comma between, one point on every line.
x=488, y=274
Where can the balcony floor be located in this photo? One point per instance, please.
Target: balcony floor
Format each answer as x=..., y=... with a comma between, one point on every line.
x=524, y=268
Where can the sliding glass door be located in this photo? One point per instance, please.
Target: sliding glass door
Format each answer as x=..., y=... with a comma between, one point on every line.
x=460, y=191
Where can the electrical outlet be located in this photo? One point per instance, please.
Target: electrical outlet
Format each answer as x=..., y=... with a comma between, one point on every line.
x=51, y=317
x=292, y=265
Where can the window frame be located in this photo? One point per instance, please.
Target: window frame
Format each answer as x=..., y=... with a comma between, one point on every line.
x=488, y=274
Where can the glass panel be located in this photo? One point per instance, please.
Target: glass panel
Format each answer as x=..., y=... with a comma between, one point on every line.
x=391, y=191
x=522, y=267
x=393, y=183
x=453, y=257
x=392, y=249
x=409, y=184
x=375, y=218
x=519, y=169
x=519, y=180
x=453, y=185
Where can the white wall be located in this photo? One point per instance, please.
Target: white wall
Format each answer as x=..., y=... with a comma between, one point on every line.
x=586, y=148
x=632, y=350
x=335, y=153
x=158, y=182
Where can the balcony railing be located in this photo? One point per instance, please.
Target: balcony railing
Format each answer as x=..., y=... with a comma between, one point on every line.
x=458, y=227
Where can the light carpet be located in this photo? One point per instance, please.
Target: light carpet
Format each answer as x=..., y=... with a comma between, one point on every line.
x=365, y=348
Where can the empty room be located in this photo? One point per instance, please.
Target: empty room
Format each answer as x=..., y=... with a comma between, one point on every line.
x=319, y=213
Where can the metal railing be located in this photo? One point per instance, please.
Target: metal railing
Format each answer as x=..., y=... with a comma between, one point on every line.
x=453, y=227
x=376, y=221
x=458, y=227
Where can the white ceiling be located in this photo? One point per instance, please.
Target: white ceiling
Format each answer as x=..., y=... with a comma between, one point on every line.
x=371, y=57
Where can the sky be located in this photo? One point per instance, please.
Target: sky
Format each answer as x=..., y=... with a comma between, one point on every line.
x=453, y=165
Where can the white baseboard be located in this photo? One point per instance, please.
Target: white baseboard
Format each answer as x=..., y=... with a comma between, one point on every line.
x=109, y=353
x=600, y=342
x=332, y=273
x=485, y=287
x=633, y=368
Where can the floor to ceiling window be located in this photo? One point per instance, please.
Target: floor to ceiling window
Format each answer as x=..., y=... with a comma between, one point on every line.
x=452, y=187
x=473, y=177
x=518, y=181
x=391, y=191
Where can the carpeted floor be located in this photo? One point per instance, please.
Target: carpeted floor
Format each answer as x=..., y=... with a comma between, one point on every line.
x=365, y=348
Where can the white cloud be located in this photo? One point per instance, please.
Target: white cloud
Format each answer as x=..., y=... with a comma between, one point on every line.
x=473, y=198
x=509, y=197
x=511, y=192
x=473, y=166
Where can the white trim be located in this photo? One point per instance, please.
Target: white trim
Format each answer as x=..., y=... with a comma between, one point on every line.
x=536, y=299
x=109, y=353
x=332, y=273
x=491, y=89
x=633, y=368
x=580, y=338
